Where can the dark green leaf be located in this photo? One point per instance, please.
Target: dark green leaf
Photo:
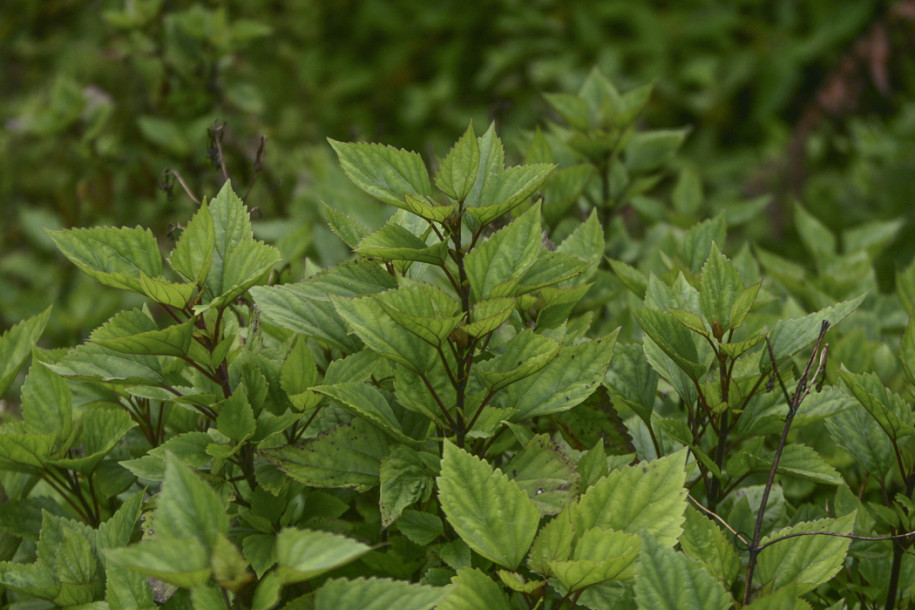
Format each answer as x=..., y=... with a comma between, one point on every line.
x=668, y=579
x=303, y=554
x=474, y=590
x=384, y=172
x=183, y=562
x=188, y=507
x=46, y=402
x=502, y=260
x=378, y=594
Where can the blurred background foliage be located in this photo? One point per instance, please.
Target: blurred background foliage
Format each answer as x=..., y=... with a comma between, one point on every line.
x=785, y=103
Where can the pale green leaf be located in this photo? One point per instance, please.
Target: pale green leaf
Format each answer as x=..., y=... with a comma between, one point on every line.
x=193, y=254
x=667, y=579
x=525, y=354
x=492, y=160
x=384, y=172
x=174, y=340
x=419, y=527
x=351, y=231
x=118, y=529
x=16, y=344
x=705, y=542
x=303, y=554
x=721, y=286
x=505, y=256
x=647, y=497
x=100, y=430
x=553, y=543
x=236, y=417
x=586, y=242
x=30, y=579
x=395, y=242
x=805, y=561
x=378, y=594
x=46, y=402
x=488, y=315
x=114, y=257
x=891, y=411
x=507, y=189
x=165, y=292
x=491, y=513
x=473, y=590
x=459, y=168
x=600, y=555
x=674, y=339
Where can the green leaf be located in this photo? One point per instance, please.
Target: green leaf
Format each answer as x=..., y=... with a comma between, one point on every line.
x=649, y=150
x=600, y=555
x=553, y=543
x=183, y=562
x=563, y=188
x=505, y=256
x=492, y=159
x=75, y=561
x=188, y=507
x=633, y=279
x=648, y=497
x=547, y=475
x=372, y=323
x=507, y=189
x=491, y=513
x=165, y=292
x=378, y=594
x=114, y=257
x=523, y=355
x=668, y=579
x=572, y=108
x=632, y=379
x=239, y=261
x=384, y=172
x=119, y=528
x=19, y=450
x=799, y=460
x=421, y=309
x=128, y=590
x=458, y=170
x=16, y=344
x=303, y=554
x=300, y=373
x=674, y=339
x=890, y=410
x=208, y=597
x=789, y=336
x=564, y=382
x=260, y=551
x=705, y=542
x=697, y=242
x=548, y=269
x=34, y=579
x=366, y=401
x=193, y=254
x=586, y=242
x=349, y=230
x=348, y=455
x=46, y=402
x=473, y=590
x=230, y=570
x=805, y=561
x=305, y=307
x=395, y=242
x=488, y=315
x=721, y=286
x=818, y=240
x=404, y=480
x=236, y=417
x=174, y=340
x=857, y=433
x=101, y=429
x=419, y=527
x=743, y=304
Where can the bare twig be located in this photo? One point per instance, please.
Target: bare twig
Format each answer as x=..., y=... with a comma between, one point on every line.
x=187, y=189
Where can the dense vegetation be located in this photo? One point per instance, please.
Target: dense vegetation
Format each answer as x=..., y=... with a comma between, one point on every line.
x=654, y=350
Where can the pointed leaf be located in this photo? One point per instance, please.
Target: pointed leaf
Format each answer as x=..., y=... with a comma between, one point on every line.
x=404, y=480
x=632, y=379
x=473, y=590
x=236, y=417
x=367, y=402
x=114, y=257
x=492, y=159
x=674, y=338
x=491, y=513
x=553, y=543
x=523, y=355
x=789, y=336
x=459, y=168
x=668, y=579
x=488, y=315
x=32, y=579
x=165, y=292
x=395, y=242
x=507, y=189
x=600, y=555
x=704, y=541
x=805, y=561
x=16, y=344
x=565, y=381
x=384, y=172
x=193, y=254
x=351, y=231
x=586, y=242
x=46, y=402
x=648, y=497
x=648, y=150
x=304, y=554
x=504, y=256
x=188, y=507
x=174, y=340
x=721, y=285
x=183, y=562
